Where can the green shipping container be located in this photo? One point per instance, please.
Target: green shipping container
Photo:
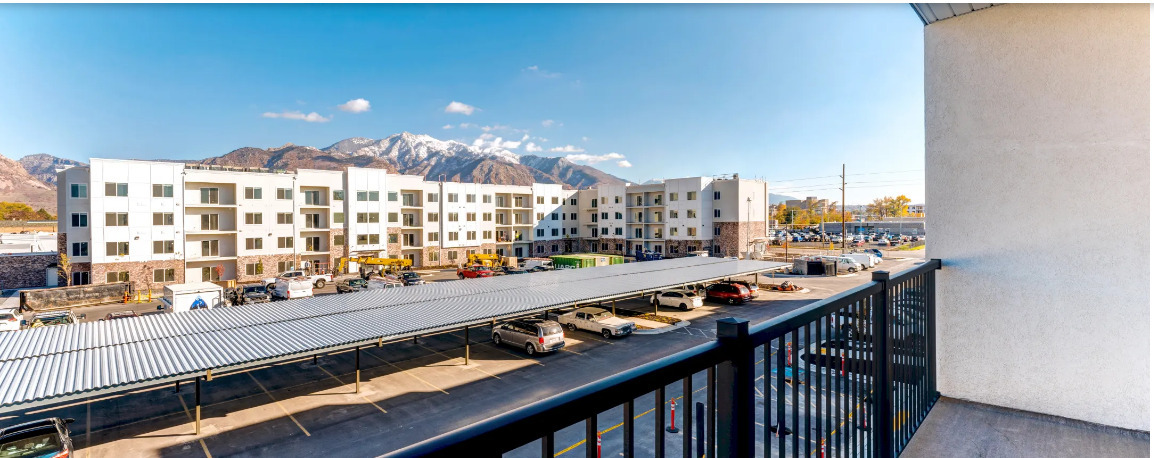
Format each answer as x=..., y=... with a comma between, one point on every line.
x=582, y=260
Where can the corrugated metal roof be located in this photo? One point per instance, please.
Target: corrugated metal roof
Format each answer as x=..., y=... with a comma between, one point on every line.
x=56, y=363
x=934, y=12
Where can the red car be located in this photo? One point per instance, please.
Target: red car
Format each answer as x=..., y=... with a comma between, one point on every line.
x=474, y=272
x=729, y=293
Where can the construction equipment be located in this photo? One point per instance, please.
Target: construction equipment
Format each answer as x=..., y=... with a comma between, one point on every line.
x=384, y=264
x=484, y=259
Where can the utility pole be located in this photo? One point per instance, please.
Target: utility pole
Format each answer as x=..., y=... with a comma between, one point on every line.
x=843, y=208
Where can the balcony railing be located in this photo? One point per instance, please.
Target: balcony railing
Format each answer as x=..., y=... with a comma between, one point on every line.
x=836, y=380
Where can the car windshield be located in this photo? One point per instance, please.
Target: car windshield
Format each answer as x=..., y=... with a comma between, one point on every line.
x=35, y=443
x=6, y=316
x=51, y=320
x=410, y=275
x=357, y=283
x=549, y=329
x=254, y=289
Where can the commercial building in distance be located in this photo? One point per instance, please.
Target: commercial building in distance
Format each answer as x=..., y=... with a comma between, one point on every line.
x=154, y=223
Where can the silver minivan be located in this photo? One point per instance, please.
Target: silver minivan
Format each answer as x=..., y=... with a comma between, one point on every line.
x=535, y=335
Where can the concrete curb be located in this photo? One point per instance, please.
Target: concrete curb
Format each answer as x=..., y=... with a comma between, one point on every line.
x=650, y=332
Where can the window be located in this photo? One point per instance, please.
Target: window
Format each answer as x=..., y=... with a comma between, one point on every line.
x=486, y=216
x=284, y=242
x=368, y=217
x=673, y=197
x=393, y=217
x=716, y=195
x=672, y=213
x=284, y=193
x=637, y=233
x=434, y=217
x=113, y=277
x=313, y=221
x=79, y=220
x=163, y=275
x=453, y=236
x=593, y=203
x=312, y=198
x=434, y=256
x=210, y=248
x=254, y=218
x=617, y=215
x=553, y=232
x=313, y=244
x=540, y=248
x=602, y=200
x=604, y=215
x=254, y=268
x=209, y=222
x=487, y=235
x=79, y=191
x=80, y=278
x=471, y=235
x=453, y=217
x=452, y=197
x=209, y=274
x=618, y=231
x=362, y=196
x=717, y=230
x=573, y=216
x=339, y=240
x=161, y=190
x=604, y=246
x=163, y=246
x=434, y=197
x=339, y=194
x=691, y=195
x=594, y=217
x=616, y=199
x=717, y=213
x=116, y=249
x=284, y=218
x=284, y=266
x=556, y=200
x=604, y=231
x=452, y=255
x=553, y=216
x=673, y=232
x=338, y=218
x=255, y=243
x=470, y=216
x=690, y=213
x=209, y=195
x=540, y=216
x=116, y=219
x=573, y=230
x=470, y=198
x=116, y=189
x=434, y=236
x=692, y=232
x=392, y=195
x=253, y=193
x=80, y=249
x=540, y=232
x=362, y=239
x=487, y=198
x=540, y=200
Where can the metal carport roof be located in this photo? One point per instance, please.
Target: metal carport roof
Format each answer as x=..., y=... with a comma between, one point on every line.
x=58, y=363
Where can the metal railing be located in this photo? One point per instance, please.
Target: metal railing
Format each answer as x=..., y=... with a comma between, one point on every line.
x=807, y=383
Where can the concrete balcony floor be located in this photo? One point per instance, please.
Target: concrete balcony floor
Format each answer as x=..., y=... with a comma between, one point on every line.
x=957, y=428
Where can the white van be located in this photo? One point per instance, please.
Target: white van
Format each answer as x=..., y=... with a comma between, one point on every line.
x=179, y=298
x=845, y=263
x=291, y=289
x=865, y=259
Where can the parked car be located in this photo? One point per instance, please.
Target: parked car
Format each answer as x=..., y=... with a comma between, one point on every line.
x=875, y=252
x=318, y=280
x=474, y=272
x=62, y=317
x=681, y=299
x=9, y=320
x=728, y=293
x=535, y=335
x=48, y=437
x=845, y=263
x=352, y=285
x=292, y=289
x=513, y=271
x=253, y=294
x=410, y=278
x=119, y=315
x=753, y=289
x=884, y=242
x=597, y=320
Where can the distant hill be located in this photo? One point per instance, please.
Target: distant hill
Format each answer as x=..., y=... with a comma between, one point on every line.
x=43, y=166
x=775, y=199
x=17, y=185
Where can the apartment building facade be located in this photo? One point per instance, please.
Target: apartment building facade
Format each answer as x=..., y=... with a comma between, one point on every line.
x=156, y=223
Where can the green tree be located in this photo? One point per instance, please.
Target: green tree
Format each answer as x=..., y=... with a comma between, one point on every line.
x=43, y=215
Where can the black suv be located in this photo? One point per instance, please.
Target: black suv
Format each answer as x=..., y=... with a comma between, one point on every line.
x=409, y=278
x=352, y=285
x=41, y=438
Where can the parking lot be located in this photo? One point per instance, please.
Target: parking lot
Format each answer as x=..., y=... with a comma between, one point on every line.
x=410, y=390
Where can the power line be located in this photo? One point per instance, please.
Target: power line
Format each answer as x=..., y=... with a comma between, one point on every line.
x=852, y=174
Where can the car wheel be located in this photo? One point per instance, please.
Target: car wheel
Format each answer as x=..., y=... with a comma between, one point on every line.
x=460, y=276
x=571, y=327
x=530, y=349
x=852, y=269
x=606, y=333
x=684, y=307
x=496, y=339
x=320, y=284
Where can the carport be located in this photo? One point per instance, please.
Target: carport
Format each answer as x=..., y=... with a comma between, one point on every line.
x=60, y=363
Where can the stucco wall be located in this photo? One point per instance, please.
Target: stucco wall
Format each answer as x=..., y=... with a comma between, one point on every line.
x=1037, y=124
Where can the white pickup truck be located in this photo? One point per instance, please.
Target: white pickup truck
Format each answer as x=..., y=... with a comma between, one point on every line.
x=596, y=320
x=318, y=280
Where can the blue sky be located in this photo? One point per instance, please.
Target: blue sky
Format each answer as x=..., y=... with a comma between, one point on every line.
x=781, y=92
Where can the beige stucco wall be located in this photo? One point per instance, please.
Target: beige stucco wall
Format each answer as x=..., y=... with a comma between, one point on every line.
x=1037, y=170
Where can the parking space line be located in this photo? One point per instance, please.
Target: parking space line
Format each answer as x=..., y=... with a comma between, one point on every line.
x=409, y=373
x=188, y=414
x=448, y=358
x=274, y=400
x=358, y=394
x=510, y=353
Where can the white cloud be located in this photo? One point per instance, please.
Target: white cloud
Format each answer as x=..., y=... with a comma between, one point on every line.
x=311, y=117
x=355, y=106
x=466, y=125
x=458, y=107
x=594, y=159
x=538, y=71
x=551, y=123
x=624, y=164
x=584, y=139
x=526, y=137
x=567, y=149
x=447, y=126
x=532, y=148
x=487, y=140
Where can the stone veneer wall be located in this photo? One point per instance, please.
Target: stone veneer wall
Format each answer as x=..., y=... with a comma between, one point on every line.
x=547, y=247
x=393, y=249
x=611, y=246
x=139, y=273
x=683, y=247
x=25, y=270
x=336, y=252
x=269, y=269
x=734, y=237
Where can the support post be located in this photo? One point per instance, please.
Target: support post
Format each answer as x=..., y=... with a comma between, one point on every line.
x=735, y=400
x=883, y=418
x=614, y=307
x=197, y=419
x=314, y=360
x=358, y=370
x=466, y=345
x=177, y=387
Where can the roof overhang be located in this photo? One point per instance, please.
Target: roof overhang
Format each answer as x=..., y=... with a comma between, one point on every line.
x=934, y=12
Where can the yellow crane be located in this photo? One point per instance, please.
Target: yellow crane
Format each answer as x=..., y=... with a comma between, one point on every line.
x=384, y=263
x=484, y=259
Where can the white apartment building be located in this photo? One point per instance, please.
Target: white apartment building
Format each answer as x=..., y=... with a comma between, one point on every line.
x=155, y=223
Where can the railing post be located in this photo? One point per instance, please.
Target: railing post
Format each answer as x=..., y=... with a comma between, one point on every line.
x=735, y=401
x=883, y=418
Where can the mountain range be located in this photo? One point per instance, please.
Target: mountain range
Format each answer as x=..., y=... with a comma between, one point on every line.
x=32, y=179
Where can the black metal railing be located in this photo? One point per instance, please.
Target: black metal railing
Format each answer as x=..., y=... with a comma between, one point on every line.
x=807, y=383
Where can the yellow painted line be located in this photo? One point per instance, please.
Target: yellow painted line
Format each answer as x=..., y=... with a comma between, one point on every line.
x=274, y=400
x=611, y=428
x=358, y=394
x=203, y=446
x=407, y=372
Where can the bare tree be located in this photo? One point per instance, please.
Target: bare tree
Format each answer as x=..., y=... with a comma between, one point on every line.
x=64, y=265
